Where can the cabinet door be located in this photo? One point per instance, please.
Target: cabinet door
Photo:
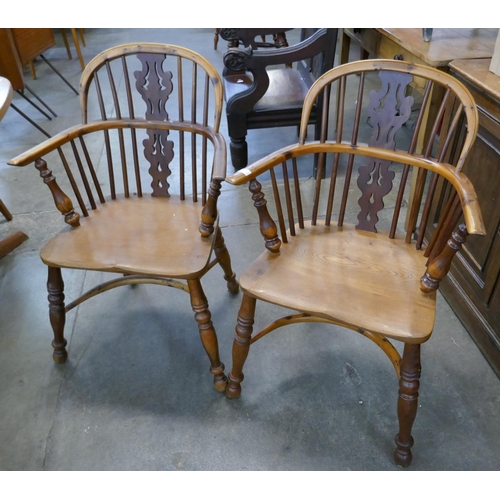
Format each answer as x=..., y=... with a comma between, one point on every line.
x=472, y=286
x=480, y=258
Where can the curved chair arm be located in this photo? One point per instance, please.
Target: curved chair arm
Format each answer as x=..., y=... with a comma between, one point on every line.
x=256, y=62
x=33, y=154
x=461, y=183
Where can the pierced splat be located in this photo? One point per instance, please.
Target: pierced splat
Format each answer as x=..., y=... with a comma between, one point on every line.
x=155, y=86
x=389, y=110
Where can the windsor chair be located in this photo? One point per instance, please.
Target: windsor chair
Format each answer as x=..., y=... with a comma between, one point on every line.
x=258, y=96
x=352, y=264
x=169, y=100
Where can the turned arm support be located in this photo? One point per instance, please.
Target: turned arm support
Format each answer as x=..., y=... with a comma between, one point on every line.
x=62, y=201
x=268, y=227
x=209, y=212
x=440, y=265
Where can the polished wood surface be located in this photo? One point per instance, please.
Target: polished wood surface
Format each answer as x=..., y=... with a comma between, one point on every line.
x=117, y=251
x=477, y=73
x=144, y=176
x=336, y=249
x=446, y=44
x=359, y=279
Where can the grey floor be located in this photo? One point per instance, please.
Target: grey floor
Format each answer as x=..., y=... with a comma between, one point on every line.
x=136, y=393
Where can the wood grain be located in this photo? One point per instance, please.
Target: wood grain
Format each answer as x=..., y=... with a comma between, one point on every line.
x=135, y=236
x=357, y=278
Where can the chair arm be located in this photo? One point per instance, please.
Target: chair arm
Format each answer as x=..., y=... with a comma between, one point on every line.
x=461, y=183
x=79, y=130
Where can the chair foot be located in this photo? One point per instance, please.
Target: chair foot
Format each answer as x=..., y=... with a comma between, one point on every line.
x=402, y=454
x=60, y=353
x=220, y=379
x=233, y=389
x=232, y=285
x=239, y=153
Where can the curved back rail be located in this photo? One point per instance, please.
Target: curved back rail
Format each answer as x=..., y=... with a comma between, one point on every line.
x=159, y=108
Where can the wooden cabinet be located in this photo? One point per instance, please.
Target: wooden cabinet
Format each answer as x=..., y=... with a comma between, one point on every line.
x=473, y=285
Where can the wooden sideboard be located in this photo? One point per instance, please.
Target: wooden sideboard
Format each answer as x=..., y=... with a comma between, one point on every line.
x=472, y=286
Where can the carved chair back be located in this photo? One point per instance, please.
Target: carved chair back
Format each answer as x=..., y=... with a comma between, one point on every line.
x=435, y=137
x=255, y=37
x=159, y=114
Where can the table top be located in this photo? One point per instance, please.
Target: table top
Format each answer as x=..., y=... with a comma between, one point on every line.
x=477, y=72
x=5, y=95
x=446, y=45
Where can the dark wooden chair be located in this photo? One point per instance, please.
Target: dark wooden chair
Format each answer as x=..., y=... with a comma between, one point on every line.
x=254, y=37
x=258, y=96
x=363, y=271
x=166, y=102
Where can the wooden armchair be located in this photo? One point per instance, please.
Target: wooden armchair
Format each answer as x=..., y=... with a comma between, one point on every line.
x=363, y=271
x=165, y=102
x=258, y=97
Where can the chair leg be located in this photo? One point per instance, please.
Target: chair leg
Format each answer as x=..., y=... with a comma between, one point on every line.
x=207, y=332
x=57, y=313
x=407, y=403
x=216, y=38
x=239, y=153
x=66, y=44
x=5, y=211
x=225, y=262
x=241, y=345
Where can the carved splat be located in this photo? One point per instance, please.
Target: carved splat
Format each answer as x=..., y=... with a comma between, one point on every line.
x=389, y=110
x=155, y=86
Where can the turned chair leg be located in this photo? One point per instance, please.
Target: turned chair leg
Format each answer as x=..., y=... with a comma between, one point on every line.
x=241, y=345
x=407, y=403
x=239, y=153
x=225, y=262
x=57, y=313
x=208, y=336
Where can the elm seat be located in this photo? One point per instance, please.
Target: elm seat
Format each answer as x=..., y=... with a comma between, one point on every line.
x=388, y=301
x=114, y=228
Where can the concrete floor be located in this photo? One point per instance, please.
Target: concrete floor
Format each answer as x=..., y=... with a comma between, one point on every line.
x=136, y=393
